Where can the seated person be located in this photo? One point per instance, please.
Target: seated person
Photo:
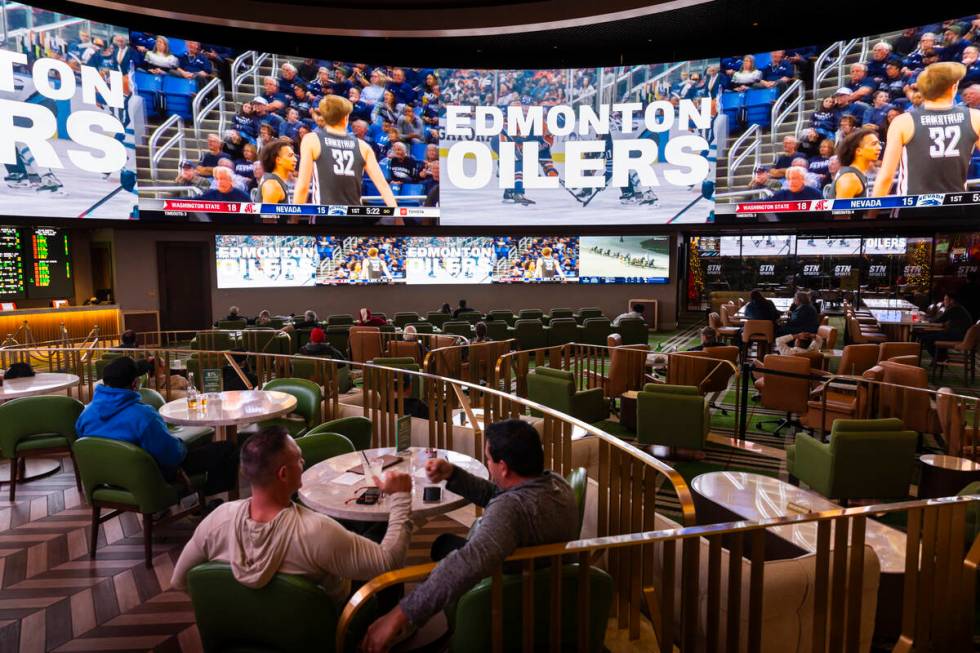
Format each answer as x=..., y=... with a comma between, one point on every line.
x=224, y=190
x=117, y=412
x=628, y=315
x=481, y=333
x=463, y=308
x=709, y=338
x=955, y=320
x=269, y=533
x=792, y=343
x=796, y=188
x=802, y=318
x=524, y=505
x=234, y=314
x=128, y=340
x=367, y=319
x=318, y=346
x=308, y=322
x=760, y=308
x=264, y=318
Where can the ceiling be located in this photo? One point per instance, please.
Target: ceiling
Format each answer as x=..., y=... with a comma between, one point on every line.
x=508, y=33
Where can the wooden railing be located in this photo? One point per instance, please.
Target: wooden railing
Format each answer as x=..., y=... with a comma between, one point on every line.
x=660, y=572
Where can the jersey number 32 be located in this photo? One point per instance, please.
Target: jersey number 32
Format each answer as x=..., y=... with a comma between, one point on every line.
x=944, y=141
x=343, y=162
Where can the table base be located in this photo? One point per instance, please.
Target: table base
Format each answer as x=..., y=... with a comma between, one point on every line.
x=36, y=468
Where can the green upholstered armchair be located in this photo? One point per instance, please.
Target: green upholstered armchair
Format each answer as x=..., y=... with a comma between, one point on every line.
x=672, y=416
x=502, y=316
x=469, y=316
x=634, y=331
x=864, y=459
x=404, y=363
x=562, y=330
x=191, y=435
x=556, y=389
x=309, y=398
x=124, y=477
x=422, y=327
x=594, y=331
x=317, y=447
x=559, y=313
x=458, y=328
x=438, y=318
x=356, y=429
x=304, y=368
x=530, y=314
x=232, y=325
x=530, y=334
x=585, y=313
x=470, y=620
x=497, y=330
x=290, y=613
x=340, y=318
x=37, y=426
x=401, y=320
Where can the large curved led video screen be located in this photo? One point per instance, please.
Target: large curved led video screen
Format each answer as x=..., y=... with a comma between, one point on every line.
x=99, y=121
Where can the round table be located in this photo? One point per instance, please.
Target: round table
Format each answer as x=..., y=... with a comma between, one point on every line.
x=325, y=490
x=43, y=383
x=235, y=408
x=945, y=476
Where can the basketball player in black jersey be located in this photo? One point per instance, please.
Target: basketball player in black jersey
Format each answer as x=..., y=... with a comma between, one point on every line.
x=932, y=142
x=856, y=153
x=336, y=160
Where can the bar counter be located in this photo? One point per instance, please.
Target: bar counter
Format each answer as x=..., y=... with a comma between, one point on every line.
x=45, y=323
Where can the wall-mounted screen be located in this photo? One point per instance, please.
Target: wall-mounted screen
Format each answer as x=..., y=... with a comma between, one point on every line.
x=69, y=120
x=48, y=264
x=11, y=263
x=255, y=261
x=624, y=259
x=265, y=261
x=895, y=128
x=768, y=245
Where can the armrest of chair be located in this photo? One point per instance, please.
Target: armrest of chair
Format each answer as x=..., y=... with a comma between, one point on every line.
x=813, y=462
x=591, y=405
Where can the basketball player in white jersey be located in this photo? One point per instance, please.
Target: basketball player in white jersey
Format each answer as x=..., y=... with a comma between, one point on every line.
x=932, y=142
x=336, y=160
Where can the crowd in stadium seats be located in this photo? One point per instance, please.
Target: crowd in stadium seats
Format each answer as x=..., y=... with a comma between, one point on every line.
x=565, y=250
x=390, y=249
x=876, y=91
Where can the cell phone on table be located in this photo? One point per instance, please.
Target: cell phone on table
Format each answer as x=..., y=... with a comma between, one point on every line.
x=432, y=494
x=369, y=497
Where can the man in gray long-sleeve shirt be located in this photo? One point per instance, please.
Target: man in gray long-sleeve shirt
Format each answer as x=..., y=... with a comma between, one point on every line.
x=524, y=506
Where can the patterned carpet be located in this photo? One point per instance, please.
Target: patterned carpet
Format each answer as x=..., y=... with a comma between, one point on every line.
x=54, y=598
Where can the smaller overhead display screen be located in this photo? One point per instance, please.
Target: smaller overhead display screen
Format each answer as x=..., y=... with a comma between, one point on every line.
x=265, y=261
x=624, y=259
x=11, y=264
x=49, y=264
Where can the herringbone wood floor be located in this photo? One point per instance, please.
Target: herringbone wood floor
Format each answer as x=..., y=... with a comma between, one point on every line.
x=54, y=598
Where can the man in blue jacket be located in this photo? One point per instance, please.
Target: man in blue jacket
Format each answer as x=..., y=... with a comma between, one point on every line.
x=118, y=413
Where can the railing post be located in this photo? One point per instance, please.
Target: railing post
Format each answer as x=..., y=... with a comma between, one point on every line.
x=743, y=413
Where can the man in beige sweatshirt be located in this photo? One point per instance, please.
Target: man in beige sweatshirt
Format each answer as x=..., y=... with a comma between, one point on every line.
x=268, y=533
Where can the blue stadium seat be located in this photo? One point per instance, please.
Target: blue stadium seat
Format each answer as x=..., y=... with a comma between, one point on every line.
x=758, y=104
x=375, y=132
x=759, y=96
x=179, y=93
x=385, y=166
x=178, y=47
x=149, y=88
x=368, y=188
x=974, y=171
x=762, y=60
x=412, y=189
x=732, y=103
x=418, y=151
